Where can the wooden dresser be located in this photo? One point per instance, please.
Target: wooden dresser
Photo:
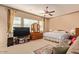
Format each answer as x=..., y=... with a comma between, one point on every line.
x=36, y=35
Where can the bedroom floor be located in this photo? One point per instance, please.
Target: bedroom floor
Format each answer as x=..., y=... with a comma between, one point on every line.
x=29, y=47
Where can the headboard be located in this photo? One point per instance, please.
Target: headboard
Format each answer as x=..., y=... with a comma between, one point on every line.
x=77, y=32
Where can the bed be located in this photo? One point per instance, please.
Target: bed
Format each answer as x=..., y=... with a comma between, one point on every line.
x=56, y=36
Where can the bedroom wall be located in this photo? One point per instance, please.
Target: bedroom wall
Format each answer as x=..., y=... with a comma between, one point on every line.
x=66, y=22
x=27, y=15
x=3, y=28
x=46, y=25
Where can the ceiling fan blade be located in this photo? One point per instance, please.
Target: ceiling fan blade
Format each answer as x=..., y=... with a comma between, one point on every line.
x=42, y=13
x=46, y=7
x=51, y=11
x=50, y=14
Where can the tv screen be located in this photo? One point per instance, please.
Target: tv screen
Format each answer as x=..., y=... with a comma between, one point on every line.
x=21, y=31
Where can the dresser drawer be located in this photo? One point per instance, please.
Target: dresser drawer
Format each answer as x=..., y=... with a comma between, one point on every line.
x=36, y=35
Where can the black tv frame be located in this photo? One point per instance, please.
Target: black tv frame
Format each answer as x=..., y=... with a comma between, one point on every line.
x=21, y=31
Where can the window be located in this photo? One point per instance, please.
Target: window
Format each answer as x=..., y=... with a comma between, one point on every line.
x=29, y=22
x=17, y=22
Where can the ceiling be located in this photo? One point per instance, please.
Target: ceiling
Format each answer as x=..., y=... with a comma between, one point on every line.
x=38, y=9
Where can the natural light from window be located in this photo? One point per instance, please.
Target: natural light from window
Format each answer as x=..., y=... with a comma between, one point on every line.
x=18, y=22
x=28, y=23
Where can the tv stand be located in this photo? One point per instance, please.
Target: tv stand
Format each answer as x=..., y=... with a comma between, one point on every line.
x=14, y=40
x=23, y=39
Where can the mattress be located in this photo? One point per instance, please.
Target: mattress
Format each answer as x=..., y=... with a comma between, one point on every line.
x=56, y=36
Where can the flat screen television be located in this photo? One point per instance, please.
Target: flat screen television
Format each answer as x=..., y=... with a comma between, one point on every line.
x=21, y=31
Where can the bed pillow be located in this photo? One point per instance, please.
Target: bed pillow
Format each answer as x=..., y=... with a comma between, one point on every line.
x=55, y=31
x=61, y=31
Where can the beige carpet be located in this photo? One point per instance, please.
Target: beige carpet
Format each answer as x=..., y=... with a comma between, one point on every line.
x=29, y=47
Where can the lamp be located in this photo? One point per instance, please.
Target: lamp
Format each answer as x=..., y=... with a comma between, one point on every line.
x=72, y=32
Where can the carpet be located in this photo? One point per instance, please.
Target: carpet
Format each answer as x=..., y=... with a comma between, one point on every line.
x=48, y=49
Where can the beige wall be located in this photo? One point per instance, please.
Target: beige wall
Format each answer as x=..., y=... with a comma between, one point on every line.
x=65, y=22
x=46, y=25
x=3, y=27
x=27, y=15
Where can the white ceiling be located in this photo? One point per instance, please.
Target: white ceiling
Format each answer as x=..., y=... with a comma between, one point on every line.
x=37, y=9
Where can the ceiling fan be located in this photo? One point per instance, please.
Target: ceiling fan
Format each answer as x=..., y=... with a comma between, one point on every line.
x=47, y=12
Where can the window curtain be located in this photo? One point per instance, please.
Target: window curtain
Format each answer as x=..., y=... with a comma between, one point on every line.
x=11, y=14
x=44, y=21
